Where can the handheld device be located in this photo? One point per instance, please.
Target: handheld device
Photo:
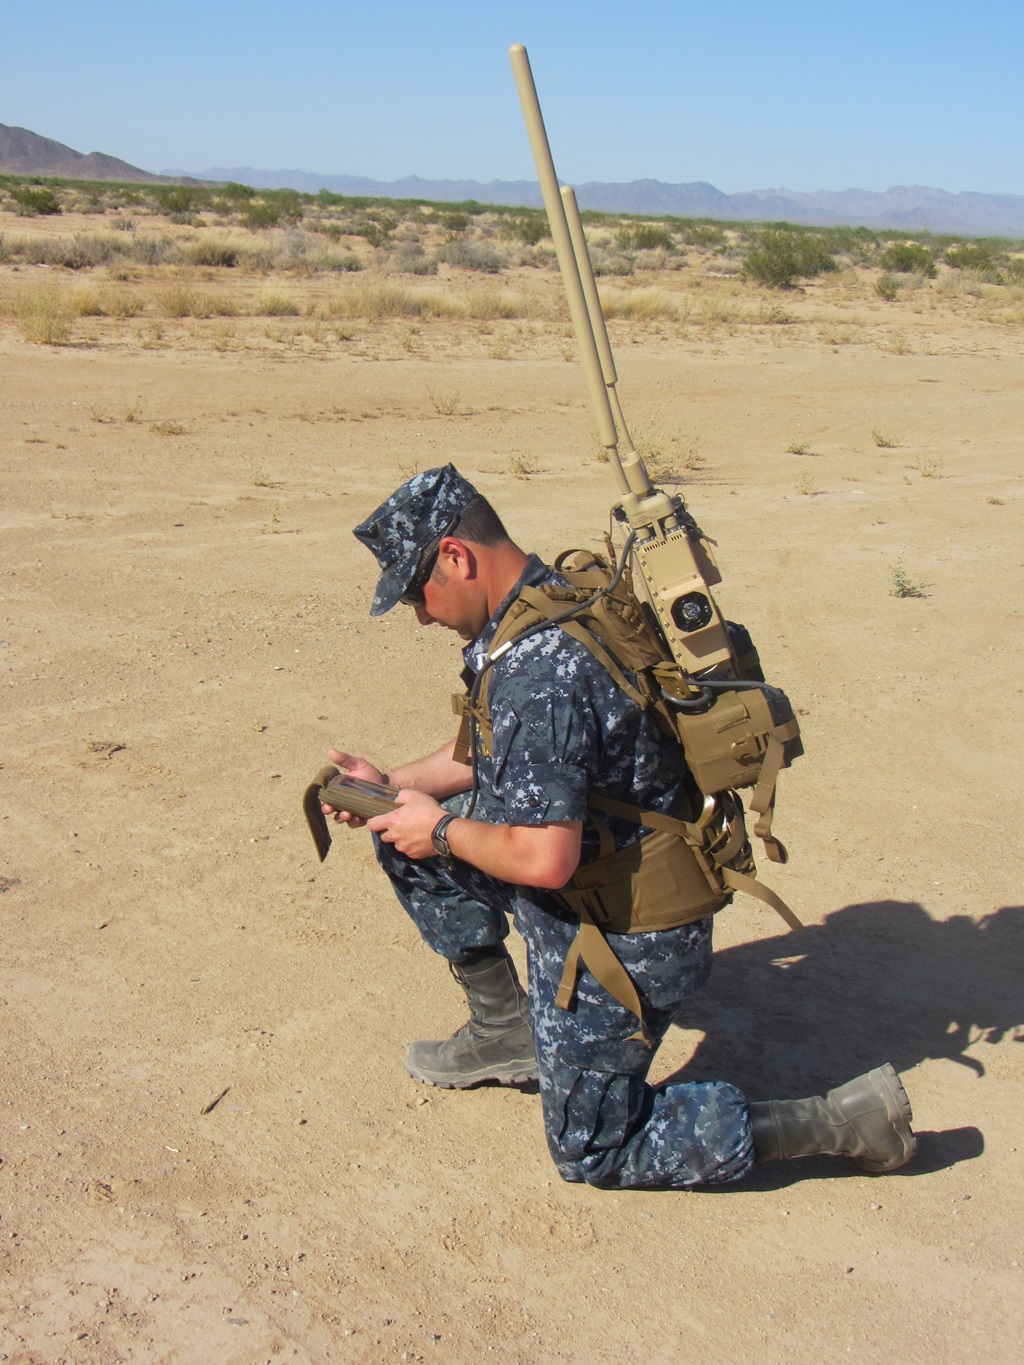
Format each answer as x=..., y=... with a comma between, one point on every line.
x=341, y=791
x=359, y=796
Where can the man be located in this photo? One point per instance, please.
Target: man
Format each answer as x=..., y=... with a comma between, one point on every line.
x=559, y=729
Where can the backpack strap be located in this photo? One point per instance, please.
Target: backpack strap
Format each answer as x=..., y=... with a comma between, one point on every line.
x=742, y=881
x=546, y=608
x=462, y=753
x=762, y=798
x=594, y=951
x=473, y=707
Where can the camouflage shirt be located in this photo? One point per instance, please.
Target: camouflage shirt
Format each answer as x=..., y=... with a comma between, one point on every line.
x=562, y=728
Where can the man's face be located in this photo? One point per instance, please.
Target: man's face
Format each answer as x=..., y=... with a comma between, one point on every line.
x=451, y=598
x=441, y=608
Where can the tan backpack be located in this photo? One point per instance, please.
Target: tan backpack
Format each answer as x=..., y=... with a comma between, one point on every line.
x=741, y=735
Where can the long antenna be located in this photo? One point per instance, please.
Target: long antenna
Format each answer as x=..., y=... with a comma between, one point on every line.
x=584, y=265
x=567, y=263
x=646, y=508
x=672, y=558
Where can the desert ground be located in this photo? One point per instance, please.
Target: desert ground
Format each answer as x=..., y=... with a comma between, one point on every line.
x=209, y=1150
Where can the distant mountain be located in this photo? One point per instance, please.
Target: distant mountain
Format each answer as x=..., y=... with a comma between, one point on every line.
x=522, y=193
x=912, y=208
x=26, y=153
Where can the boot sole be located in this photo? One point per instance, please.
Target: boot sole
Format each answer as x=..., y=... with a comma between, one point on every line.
x=889, y=1087
x=511, y=1075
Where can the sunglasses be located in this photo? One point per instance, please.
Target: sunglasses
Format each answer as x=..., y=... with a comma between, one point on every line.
x=413, y=595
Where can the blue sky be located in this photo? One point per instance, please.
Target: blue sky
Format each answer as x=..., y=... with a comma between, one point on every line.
x=745, y=95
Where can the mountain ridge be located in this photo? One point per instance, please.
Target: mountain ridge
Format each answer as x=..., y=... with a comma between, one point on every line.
x=905, y=207
x=908, y=207
x=23, y=152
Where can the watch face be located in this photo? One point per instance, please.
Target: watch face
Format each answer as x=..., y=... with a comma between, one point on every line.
x=439, y=841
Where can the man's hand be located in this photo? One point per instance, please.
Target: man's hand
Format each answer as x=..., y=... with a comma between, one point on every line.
x=409, y=828
x=356, y=767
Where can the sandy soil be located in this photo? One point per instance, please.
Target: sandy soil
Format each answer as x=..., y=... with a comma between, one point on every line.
x=208, y=1147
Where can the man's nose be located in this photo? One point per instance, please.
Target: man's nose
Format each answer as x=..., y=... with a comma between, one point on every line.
x=423, y=616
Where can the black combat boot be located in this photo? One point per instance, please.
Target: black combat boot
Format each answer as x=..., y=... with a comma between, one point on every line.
x=496, y=1044
x=867, y=1119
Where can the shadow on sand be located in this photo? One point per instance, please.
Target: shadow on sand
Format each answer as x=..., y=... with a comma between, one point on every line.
x=795, y=1014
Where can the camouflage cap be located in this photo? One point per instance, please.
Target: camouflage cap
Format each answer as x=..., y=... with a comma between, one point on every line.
x=422, y=510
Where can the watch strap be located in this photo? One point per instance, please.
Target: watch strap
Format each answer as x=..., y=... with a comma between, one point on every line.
x=437, y=838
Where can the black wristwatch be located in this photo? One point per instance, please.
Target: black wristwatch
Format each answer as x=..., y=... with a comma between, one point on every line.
x=441, y=845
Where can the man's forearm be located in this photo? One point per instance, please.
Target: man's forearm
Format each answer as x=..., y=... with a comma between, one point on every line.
x=438, y=774
x=544, y=856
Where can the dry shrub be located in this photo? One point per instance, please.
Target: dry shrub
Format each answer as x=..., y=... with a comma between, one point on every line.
x=87, y=302
x=610, y=262
x=276, y=303
x=639, y=305
x=393, y=299
x=108, y=302
x=45, y=313
x=960, y=283
x=389, y=299
x=258, y=255
x=82, y=251
x=223, y=336
x=717, y=307
x=220, y=306
x=838, y=334
x=768, y=313
x=179, y=300
x=215, y=251
x=488, y=305
x=668, y=457
x=155, y=250
x=477, y=255
x=121, y=303
x=325, y=262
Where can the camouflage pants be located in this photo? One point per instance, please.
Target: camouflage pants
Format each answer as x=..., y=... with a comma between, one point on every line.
x=605, y=1125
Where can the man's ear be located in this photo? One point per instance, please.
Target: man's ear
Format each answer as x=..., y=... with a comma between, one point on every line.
x=456, y=557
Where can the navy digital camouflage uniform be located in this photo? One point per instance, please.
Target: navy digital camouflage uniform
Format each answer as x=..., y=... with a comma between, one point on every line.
x=561, y=727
